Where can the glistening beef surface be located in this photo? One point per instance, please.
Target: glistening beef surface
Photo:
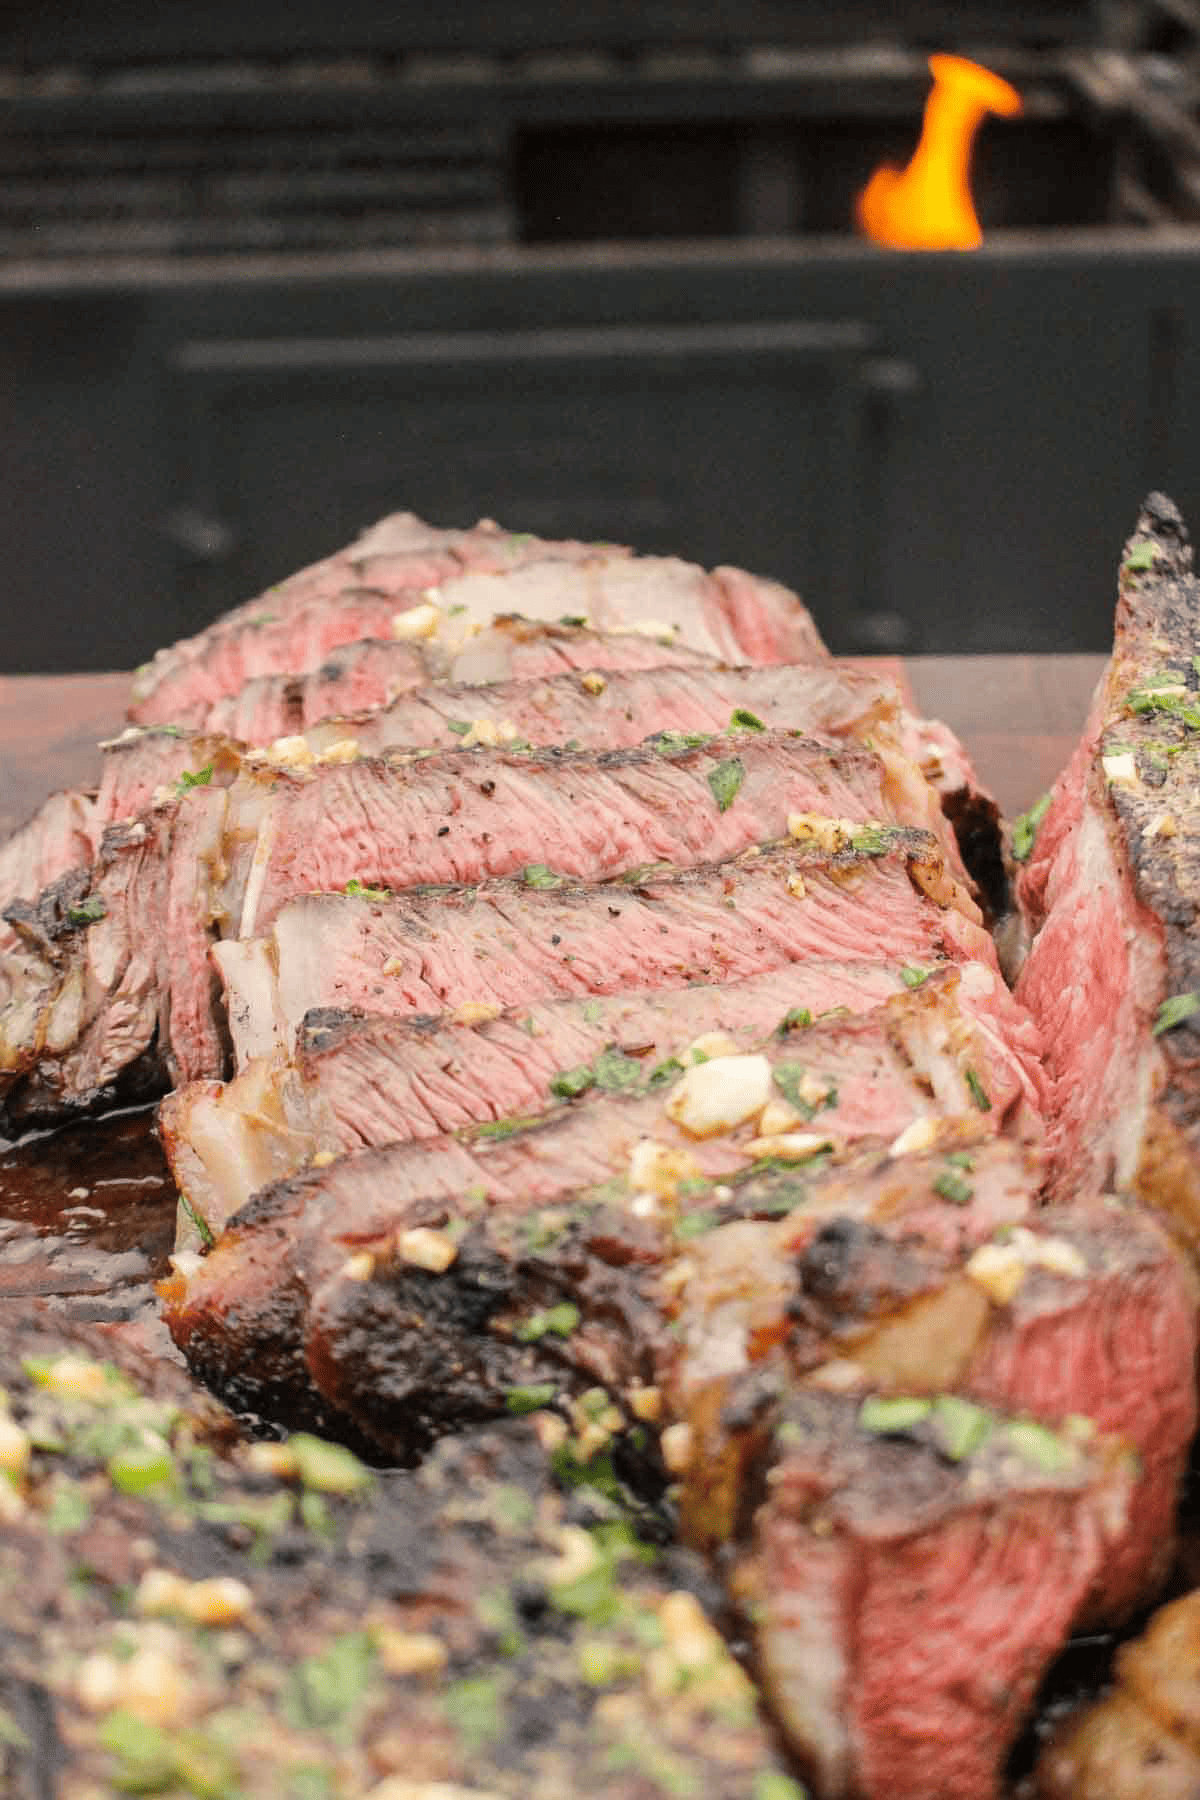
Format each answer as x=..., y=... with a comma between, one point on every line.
x=1112, y=882
x=356, y=1082
x=846, y=1079
x=506, y=942
x=126, y=963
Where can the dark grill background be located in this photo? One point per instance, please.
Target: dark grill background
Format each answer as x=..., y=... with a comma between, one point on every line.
x=590, y=271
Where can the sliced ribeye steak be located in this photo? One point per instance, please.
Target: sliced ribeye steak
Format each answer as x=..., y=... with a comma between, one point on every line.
x=454, y=584
x=904, y=1591
x=1086, y=1312
x=918, y=1056
x=1111, y=888
x=225, y=860
x=371, y=672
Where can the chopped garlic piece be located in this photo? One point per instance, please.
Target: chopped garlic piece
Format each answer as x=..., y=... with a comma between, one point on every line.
x=1166, y=825
x=921, y=1134
x=1059, y=1257
x=417, y=621
x=645, y=1206
x=717, y=1096
x=789, y=1146
x=359, y=1267
x=14, y=1448
x=343, y=750
x=651, y=628
x=999, y=1269
x=393, y=966
x=291, y=753
x=710, y=1045
x=778, y=1116
x=644, y=1403
x=1121, y=770
x=676, y=1446
x=409, y=1652
x=795, y=885
x=323, y=1158
x=577, y=1555
x=475, y=1012
x=593, y=682
x=483, y=731
x=824, y=833
x=658, y=1169
x=426, y=1249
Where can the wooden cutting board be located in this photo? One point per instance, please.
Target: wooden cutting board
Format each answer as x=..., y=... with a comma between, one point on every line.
x=1019, y=717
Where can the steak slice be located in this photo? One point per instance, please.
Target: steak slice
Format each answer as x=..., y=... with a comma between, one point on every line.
x=848, y=1079
x=506, y=943
x=234, y=857
x=1080, y=1312
x=904, y=1597
x=187, y=1612
x=293, y=626
x=371, y=672
x=359, y=1082
x=1113, y=974
x=464, y=580
x=1141, y=1740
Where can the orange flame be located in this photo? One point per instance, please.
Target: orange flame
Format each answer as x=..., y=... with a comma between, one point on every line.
x=928, y=206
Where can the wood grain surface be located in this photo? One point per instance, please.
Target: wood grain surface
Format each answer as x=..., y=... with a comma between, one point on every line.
x=1018, y=716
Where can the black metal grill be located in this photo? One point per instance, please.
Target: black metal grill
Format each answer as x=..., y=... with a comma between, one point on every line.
x=591, y=270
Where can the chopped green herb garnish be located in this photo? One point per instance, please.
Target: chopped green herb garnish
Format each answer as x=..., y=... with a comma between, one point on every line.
x=1025, y=828
x=797, y=1018
x=571, y=1083
x=961, y=1159
x=976, y=1089
x=358, y=890
x=615, y=1072
x=1039, y=1445
x=537, y=875
x=886, y=1413
x=668, y=1070
x=695, y=1224
x=473, y=1708
x=459, y=727
x=326, y=1690
x=139, y=1468
x=329, y=1468
x=69, y=1509
x=593, y=1012
x=578, y=620
x=197, y=1220
x=88, y=912
x=725, y=780
x=912, y=975
x=742, y=720
x=671, y=743
x=874, y=840
x=504, y=1128
x=954, y=1189
x=1142, y=555
x=1174, y=1011
x=961, y=1426
x=555, y=1321
x=193, y=778
x=10, y=1732
x=771, y=1784
x=791, y=1079
x=530, y=1399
